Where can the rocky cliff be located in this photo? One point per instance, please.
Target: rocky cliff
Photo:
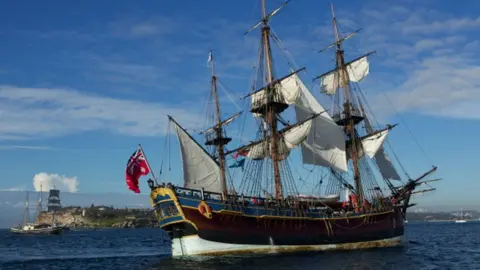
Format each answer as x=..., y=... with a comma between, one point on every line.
x=94, y=217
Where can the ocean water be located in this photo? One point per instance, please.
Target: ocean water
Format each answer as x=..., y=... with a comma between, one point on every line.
x=427, y=246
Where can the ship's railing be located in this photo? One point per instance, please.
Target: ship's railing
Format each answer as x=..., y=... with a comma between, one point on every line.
x=235, y=202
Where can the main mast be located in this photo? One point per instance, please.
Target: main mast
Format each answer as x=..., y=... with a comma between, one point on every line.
x=271, y=116
x=219, y=141
x=349, y=120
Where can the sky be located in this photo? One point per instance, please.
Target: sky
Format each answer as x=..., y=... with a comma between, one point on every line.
x=82, y=83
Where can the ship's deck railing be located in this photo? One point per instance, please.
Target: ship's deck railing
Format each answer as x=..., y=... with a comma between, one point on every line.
x=237, y=203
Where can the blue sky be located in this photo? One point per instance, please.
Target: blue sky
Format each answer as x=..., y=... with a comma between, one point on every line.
x=81, y=84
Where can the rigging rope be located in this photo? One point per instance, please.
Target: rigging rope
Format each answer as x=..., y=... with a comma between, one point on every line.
x=409, y=131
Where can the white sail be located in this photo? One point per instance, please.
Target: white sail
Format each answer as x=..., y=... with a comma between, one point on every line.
x=325, y=143
x=286, y=92
x=385, y=165
x=356, y=71
x=288, y=140
x=199, y=169
x=371, y=144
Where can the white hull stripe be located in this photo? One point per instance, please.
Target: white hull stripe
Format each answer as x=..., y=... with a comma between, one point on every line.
x=194, y=245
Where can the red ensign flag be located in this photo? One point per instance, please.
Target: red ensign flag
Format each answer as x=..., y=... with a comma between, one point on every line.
x=136, y=167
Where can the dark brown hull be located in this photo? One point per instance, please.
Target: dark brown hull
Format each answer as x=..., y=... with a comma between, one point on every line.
x=237, y=229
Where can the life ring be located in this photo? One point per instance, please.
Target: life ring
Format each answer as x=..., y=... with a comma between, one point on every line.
x=205, y=209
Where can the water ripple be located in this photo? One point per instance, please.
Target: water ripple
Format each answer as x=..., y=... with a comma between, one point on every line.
x=427, y=246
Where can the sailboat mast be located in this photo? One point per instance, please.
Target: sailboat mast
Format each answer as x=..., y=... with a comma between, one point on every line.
x=271, y=116
x=26, y=210
x=219, y=130
x=350, y=124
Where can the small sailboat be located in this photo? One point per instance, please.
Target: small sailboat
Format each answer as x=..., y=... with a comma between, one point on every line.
x=461, y=220
x=34, y=228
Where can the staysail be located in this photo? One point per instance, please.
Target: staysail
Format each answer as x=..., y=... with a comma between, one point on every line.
x=385, y=165
x=372, y=143
x=199, y=169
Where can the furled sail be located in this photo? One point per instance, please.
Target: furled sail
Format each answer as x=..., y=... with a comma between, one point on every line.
x=199, y=169
x=287, y=141
x=325, y=143
x=357, y=70
x=286, y=91
x=223, y=123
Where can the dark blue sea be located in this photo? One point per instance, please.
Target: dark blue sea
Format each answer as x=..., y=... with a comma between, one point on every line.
x=427, y=246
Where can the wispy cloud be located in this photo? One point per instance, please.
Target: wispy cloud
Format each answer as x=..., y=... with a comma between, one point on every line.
x=141, y=27
x=446, y=26
x=13, y=189
x=426, y=61
x=40, y=112
x=24, y=147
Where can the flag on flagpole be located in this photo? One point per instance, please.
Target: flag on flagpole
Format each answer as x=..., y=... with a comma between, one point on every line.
x=136, y=167
x=209, y=57
x=240, y=153
x=239, y=163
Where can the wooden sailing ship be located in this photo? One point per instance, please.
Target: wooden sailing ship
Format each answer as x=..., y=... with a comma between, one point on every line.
x=211, y=215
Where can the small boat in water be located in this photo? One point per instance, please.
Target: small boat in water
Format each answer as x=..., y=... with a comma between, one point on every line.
x=32, y=228
x=461, y=220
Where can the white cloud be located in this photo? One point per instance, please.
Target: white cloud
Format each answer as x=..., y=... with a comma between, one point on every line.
x=434, y=73
x=24, y=147
x=40, y=112
x=45, y=181
x=13, y=189
x=449, y=25
x=426, y=44
x=141, y=27
x=442, y=85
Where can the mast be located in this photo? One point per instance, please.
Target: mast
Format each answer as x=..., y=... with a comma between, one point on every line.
x=26, y=211
x=220, y=142
x=349, y=120
x=39, y=203
x=271, y=115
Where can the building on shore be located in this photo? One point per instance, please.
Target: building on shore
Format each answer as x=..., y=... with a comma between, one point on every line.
x=54, y=200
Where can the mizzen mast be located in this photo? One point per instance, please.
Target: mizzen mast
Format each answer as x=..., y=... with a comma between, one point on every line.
x=218, y=140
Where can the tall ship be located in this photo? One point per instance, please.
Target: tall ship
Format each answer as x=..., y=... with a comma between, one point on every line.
x=35, y=228
x=257, y=204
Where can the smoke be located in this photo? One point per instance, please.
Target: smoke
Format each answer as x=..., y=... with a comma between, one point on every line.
x=44, y=181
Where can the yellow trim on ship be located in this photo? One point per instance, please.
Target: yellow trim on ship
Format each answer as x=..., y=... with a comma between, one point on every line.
x=173, y=197
x=238, y=213
x=171, y=193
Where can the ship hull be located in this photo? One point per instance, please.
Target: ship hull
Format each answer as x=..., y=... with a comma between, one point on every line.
x=235, y=229
x=43, y=231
